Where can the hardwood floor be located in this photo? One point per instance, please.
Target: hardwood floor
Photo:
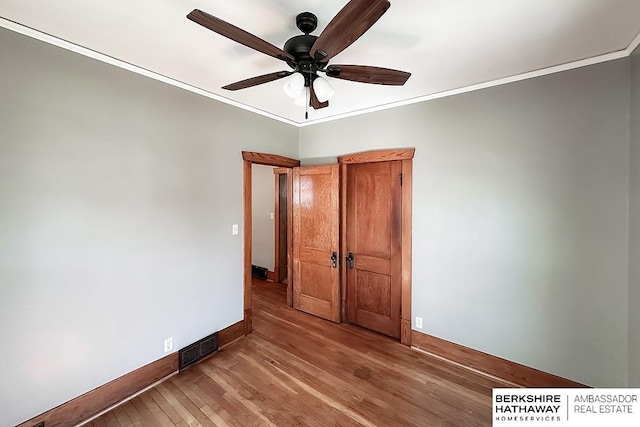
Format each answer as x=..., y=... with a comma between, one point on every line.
x=296, y=369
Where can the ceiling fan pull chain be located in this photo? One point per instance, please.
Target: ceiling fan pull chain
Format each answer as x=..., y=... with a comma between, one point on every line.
x=306, y=104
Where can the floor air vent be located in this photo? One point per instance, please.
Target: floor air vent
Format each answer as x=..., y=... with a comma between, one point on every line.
x=259, y=272
x=198, y=350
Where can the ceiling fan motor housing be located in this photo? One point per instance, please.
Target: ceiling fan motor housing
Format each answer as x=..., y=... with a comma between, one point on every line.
x=300, y=46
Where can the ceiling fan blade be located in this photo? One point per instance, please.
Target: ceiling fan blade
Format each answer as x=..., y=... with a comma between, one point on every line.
x=258, y=80
x=238, y=35
x=313, y=100
x=347, y=26
x=367, y=74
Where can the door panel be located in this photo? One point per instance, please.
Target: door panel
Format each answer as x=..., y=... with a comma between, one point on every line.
x=315, y=237
x=374, y=227
x=374, y=293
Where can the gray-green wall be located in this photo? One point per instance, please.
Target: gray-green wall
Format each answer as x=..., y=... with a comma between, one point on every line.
x=634, y=227
x=519, y=216
x=117, y=197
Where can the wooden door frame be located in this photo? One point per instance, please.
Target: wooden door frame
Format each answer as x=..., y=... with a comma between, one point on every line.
x=406, y=156
x=250, y=158
x=276, y=268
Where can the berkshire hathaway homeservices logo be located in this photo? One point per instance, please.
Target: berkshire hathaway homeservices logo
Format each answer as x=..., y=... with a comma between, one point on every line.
x=514, y=407
x=566, y=407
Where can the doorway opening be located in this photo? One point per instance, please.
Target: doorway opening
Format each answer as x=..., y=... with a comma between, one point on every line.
x=263, y=223
x=405, y=157
x=249, y=159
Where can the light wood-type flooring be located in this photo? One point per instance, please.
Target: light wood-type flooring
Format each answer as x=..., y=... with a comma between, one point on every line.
x=296, y=369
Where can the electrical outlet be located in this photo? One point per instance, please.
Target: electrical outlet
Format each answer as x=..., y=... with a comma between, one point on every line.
x=168, y=345
x=271, y=215
x=234, y=229
x=418, y=322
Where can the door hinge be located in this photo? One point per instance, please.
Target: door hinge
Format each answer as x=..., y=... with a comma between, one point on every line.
x=401, y=176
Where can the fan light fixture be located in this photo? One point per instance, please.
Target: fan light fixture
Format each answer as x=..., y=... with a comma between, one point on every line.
x=294, y=85
x=323, y=89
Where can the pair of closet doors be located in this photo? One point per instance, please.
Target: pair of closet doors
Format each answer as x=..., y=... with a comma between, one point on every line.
x=348, y=243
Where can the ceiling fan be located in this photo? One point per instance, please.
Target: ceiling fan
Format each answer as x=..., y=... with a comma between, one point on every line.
x=308, y=55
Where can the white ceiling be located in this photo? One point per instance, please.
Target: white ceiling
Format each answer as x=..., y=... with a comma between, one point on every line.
x=446, y=44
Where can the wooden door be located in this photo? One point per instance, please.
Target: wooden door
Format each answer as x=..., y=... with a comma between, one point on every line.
x=374, y=239
x=316, y=284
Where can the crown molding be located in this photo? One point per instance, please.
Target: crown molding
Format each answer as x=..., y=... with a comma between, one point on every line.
x=633, y=45
x=47, y=38
x=471, y=88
